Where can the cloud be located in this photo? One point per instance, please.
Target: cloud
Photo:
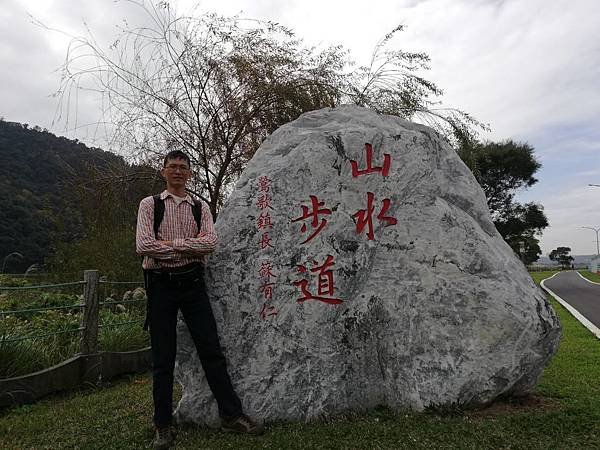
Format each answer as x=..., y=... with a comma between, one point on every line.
x=24, y=87
x=568, y=212
x=518, y=65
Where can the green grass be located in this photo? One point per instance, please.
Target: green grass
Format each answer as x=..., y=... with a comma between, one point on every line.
x=590, y=275
x=539, y=276
x=566, y=416
x=28, y=356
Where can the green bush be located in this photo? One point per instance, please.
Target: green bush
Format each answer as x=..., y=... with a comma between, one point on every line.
x=7, y=280
x=35, y=299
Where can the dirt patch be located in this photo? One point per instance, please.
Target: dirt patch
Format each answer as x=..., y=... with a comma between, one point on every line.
x=508, y=406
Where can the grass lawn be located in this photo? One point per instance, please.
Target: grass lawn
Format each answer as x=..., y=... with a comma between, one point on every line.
x=564, y=413
x=590, y=275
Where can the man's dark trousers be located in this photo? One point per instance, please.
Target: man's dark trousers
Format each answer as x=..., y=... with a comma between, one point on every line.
x=168, y=294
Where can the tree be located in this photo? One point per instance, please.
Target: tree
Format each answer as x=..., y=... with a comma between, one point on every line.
x=39, y=174
x=108, y=200
x=561, y=256
x=519, y=226
x=216, y=87
x=502, y=169
x=390, y=84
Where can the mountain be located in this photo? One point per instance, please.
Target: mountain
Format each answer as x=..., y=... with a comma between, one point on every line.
x=41, y=176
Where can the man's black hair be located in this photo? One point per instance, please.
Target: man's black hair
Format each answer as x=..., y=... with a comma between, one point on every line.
x=177, y=154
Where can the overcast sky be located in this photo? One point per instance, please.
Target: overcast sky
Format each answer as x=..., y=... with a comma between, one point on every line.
x=529, y=68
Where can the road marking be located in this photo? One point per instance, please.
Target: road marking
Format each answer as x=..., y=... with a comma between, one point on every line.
x=586, y=323
x=589, y=281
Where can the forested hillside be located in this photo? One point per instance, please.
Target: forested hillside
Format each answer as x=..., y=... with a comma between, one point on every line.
x=52, y=190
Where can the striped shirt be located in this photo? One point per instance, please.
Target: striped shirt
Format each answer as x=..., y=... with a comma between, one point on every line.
x=178, y=226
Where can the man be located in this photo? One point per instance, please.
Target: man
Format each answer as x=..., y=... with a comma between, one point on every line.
x=174, y=259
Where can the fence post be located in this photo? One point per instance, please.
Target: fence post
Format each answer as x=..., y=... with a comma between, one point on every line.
x=91, y=369
x=89, y=322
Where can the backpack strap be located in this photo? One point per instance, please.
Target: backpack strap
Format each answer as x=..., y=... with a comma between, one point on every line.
x=197, y=212
x=159, y=213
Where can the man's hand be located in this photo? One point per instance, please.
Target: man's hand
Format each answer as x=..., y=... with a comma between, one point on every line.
x=167, y=243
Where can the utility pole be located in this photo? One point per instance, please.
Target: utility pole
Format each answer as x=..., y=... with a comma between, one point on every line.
x=597, y=244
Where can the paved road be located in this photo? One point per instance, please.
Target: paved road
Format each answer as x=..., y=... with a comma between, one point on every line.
x=577, y=292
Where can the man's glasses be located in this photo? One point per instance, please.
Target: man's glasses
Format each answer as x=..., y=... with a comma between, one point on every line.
x=175, y=167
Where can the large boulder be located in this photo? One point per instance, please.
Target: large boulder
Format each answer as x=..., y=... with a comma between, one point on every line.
x=358, y=266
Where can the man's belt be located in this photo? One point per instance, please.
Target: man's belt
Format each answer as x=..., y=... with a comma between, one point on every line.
x=182, y=275
x=177, y=273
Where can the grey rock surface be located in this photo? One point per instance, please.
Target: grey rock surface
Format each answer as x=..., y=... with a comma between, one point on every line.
x=434, y=310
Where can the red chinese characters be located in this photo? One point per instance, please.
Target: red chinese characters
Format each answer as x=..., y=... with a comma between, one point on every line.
x=318, y=283
x=387, y=160
x=263, y=222
x=314, y=216
x=264, y=187
x=266, y=270
x=266, y=288
x=264, y=184
x=364, y=217
x=325, y=283
x=265, y=241
x=264, y=202
x=267, y=311
x=263, y=225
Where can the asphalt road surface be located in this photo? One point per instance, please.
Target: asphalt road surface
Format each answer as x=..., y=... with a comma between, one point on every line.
x=582, y=295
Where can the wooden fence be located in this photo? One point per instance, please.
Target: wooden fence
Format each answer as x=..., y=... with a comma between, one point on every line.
x=88, y=367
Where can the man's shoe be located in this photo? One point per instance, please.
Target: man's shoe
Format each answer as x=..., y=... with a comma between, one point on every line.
x=242, y=424
x=164, y=438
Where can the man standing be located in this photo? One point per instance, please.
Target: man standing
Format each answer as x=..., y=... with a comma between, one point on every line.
x=174, y=235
